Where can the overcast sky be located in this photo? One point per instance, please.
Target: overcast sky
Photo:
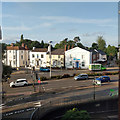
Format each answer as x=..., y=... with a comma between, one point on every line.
x=58, y=20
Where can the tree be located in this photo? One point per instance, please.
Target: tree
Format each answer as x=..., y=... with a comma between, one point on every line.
x=101, y=43
x=75, y=114
x=7, y=70
x=111, y=51
x=42, y=44
x=22, y=38
x=94, y=46
x=76, y=39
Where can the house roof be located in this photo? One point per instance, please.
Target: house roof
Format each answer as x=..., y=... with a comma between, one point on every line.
x=16, y=48
x=58, y=52
x=101, y=52
x=40, y=50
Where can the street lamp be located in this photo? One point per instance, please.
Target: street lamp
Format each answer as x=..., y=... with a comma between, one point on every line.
x=49, y=50
x=119, y=61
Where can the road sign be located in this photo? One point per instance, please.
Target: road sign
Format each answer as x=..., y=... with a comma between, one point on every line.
x=39, y=81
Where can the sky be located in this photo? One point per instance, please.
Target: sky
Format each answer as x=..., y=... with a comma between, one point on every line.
x=54, y=21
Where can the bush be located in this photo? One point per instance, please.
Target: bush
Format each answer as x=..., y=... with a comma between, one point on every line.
x=75, y=114
x=59, y=77
x=43, y=78
x=66, y=76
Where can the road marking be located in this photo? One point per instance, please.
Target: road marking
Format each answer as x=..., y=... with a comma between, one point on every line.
x=38, y=104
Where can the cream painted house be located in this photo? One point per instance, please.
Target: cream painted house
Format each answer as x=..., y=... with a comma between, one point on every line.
x=16, y=56
x=57, y=58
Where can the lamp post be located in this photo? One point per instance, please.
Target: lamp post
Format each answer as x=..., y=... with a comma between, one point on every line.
x=50, y=42
x=119, y=61
x=94, y=82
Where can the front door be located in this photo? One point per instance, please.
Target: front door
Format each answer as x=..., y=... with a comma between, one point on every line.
x=77, y=64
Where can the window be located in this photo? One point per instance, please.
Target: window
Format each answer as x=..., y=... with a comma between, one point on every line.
x=58, y=56
x=70, y=62
x=10, y=51
x=59, y=63
x=14, y=62
x=37, y=55
x=23, y=62
x=83, y=64
x=82, y=56
x=42, y=56
x=22, y=51
x=32, y=61
x=21, y=56
x=33, y=55
x=14, y=57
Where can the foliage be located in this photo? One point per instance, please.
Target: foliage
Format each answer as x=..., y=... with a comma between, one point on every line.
x=66, y=76
x=94, y=46
x=43, y=78
x=3, y=48
x=111, y=51
x=101, y=43
x=71, y=43
x=31, y=43
x=75, y=114
x=7, y=70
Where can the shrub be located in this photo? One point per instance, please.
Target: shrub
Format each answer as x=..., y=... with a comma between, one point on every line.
x=66, y=76
x=43, y=78
x=75, y=114
x=59, y=77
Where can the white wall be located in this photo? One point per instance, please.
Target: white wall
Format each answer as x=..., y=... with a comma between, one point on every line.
x=42, y=61
x=81, y=55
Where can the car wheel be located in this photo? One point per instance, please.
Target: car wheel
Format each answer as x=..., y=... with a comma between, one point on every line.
x=13, y=86
x=25, y=84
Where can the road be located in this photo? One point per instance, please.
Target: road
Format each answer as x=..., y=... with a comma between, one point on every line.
x=80, y=90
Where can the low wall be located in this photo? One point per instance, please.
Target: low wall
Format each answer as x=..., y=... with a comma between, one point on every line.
x=54, y=112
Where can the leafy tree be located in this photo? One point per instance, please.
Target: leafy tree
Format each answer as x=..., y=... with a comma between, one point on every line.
x=111, y=51
x=42, y=44
x=3, y=47
x=80, y=45
x=94, y=46
x=75, y=114
x=7, y=70
x=101, y=43
x=22, y=38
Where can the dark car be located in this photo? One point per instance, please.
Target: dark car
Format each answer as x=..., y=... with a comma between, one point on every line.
x=102, y=79
x=42, y=69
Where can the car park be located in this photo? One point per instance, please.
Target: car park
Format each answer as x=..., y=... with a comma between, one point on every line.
x=101, y=79
x=19, y=82
x=81, y=77
x=42, y=69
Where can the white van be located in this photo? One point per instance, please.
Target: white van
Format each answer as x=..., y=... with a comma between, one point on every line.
x=19, y=82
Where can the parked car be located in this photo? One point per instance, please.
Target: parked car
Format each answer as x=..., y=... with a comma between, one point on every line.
x=19, y=82
x=101, y=79
x=42, y=69
x=81, y=77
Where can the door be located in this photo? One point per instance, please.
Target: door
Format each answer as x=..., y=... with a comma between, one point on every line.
x=77, y=64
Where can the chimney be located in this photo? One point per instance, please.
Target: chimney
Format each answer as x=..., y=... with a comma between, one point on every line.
x=23, y=45
x=26, y=47
x=72, y=46
x=12, y=44
x=33, y=48
x=65, y=48
x=68, y=47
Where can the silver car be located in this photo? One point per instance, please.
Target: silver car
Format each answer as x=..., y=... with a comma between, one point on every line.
x=81, y=77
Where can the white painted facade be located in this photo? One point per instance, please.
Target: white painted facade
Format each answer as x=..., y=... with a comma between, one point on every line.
x=38, y=59
x=78, y=58
x=16, y=58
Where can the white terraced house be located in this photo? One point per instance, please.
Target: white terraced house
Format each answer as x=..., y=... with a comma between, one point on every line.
x=16, y=56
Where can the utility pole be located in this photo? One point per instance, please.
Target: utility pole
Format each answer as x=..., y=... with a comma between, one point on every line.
x=50, y=55
x=119, y=60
